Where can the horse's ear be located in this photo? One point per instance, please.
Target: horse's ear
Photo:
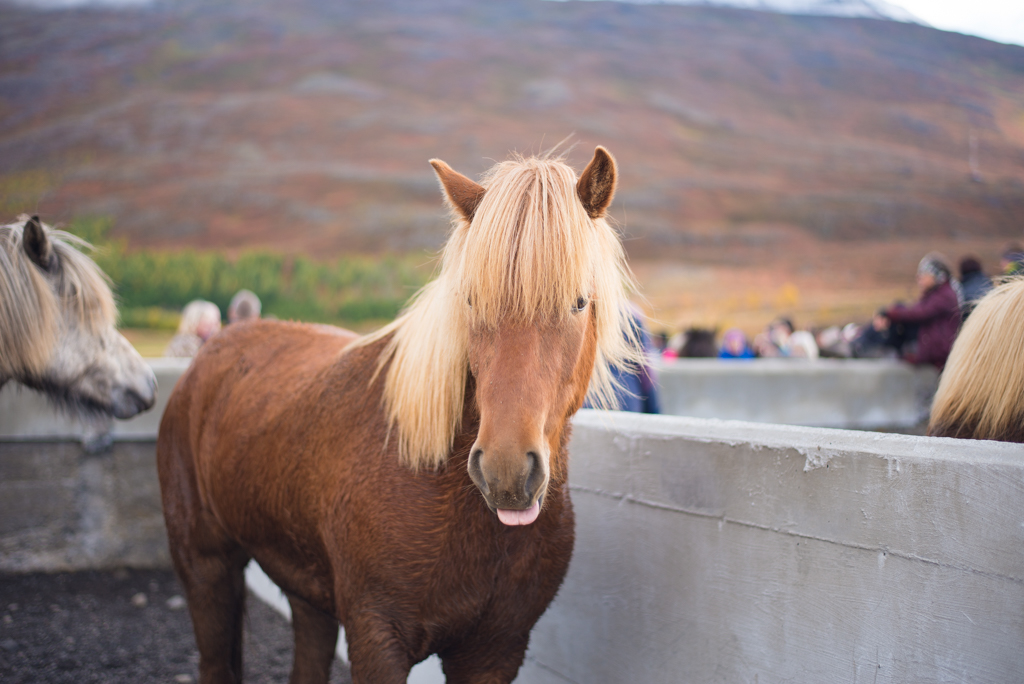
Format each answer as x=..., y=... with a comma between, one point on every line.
x=37, y=244
x=596, y=186
x=463, y=194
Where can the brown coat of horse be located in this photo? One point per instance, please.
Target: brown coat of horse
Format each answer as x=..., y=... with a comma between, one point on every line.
x=275, y=445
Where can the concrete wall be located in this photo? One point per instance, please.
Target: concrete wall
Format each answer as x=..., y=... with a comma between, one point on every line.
x=863, y=394
x=26, y=415
x=720, y=551
x=62, y=508
x=706, y=550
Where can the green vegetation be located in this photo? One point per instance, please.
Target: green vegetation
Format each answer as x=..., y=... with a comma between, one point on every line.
x=152, y=285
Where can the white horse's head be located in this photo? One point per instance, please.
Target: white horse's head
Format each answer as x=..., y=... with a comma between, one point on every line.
x=57, y=332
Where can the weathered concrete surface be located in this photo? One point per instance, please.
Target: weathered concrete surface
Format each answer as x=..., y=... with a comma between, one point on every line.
x=863, y=394
x=25, y=414
x=720, y=551
x=64, y=509
x=824, y=393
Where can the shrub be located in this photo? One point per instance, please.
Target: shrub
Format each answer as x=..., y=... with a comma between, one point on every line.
x=150, y=283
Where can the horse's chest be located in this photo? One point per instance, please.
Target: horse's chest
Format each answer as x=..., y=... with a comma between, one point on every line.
x=473, y=585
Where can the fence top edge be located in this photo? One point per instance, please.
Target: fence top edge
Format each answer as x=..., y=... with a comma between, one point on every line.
x=805, y=440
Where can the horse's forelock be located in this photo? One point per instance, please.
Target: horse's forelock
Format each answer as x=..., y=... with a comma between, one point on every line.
x=81, y=283
x=531, y=250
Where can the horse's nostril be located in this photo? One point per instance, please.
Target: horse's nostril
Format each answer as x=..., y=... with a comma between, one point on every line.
x=475, y=471
x=535, y=476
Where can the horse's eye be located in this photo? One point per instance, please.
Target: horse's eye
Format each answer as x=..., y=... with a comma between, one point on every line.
x=581, y=304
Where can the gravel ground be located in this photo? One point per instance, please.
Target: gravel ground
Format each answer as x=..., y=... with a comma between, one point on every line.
x=126, y=626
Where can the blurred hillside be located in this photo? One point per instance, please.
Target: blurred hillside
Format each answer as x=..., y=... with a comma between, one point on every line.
x=746, y=140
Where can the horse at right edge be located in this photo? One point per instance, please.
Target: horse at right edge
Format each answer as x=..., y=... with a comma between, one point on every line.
x=981, y=391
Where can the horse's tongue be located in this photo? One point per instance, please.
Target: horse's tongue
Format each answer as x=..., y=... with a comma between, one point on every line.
x=510, y=517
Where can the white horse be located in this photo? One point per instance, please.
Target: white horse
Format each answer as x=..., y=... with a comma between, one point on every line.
x=57, y=332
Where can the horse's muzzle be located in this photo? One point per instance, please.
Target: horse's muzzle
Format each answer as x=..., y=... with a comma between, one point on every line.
x=512, y=487
x=130, y=401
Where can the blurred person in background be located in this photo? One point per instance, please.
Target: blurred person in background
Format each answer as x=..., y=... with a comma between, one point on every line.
x=1012, y=261
x=774, y=341
x=636, y=390
x=936, y=314
x=974, y=282
x=660, y=341
x=244, y=306
x=699, y=343
x=200, y=320
x=838, y=342
x=734, y=345
x=801, y=345
x=692, y=343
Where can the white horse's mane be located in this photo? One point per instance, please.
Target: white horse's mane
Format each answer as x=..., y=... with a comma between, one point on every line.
x=32, y=310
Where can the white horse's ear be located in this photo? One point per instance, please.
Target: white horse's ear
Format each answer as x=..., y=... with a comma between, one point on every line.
x=37, y=244
x=596, y=186
x=462, y=193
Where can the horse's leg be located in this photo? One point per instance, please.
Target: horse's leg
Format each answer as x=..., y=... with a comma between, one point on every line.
x=213, y=576
x=316, y=636
x=209, y=563
x=374, y=651
x=485, y=659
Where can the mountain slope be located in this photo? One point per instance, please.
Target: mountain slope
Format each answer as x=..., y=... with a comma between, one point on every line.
x=873, y=9
x=309, y=127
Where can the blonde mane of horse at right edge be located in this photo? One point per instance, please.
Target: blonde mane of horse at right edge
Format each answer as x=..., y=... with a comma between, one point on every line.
x=530, y=250
x=981, y=390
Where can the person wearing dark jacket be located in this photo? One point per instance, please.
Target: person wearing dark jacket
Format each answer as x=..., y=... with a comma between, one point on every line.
x=974, y=282
x=936, y=313
x=636, y=388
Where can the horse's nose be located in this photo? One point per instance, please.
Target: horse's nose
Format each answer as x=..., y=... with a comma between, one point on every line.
x=130, y=401
x=508, y=481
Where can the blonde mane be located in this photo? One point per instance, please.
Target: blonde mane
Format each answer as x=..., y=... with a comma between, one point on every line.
x=981, y=393
x=530, y=252
x=32, y=311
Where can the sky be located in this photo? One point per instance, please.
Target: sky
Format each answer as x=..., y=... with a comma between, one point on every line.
x=999, y=20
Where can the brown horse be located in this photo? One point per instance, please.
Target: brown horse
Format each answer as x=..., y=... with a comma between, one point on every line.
x=410, y=484
x=981, y=392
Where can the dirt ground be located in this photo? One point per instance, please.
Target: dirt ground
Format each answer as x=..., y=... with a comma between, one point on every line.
x=123, y=626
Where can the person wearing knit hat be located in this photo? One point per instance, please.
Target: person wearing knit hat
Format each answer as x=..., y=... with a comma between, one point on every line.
x=936, y=313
